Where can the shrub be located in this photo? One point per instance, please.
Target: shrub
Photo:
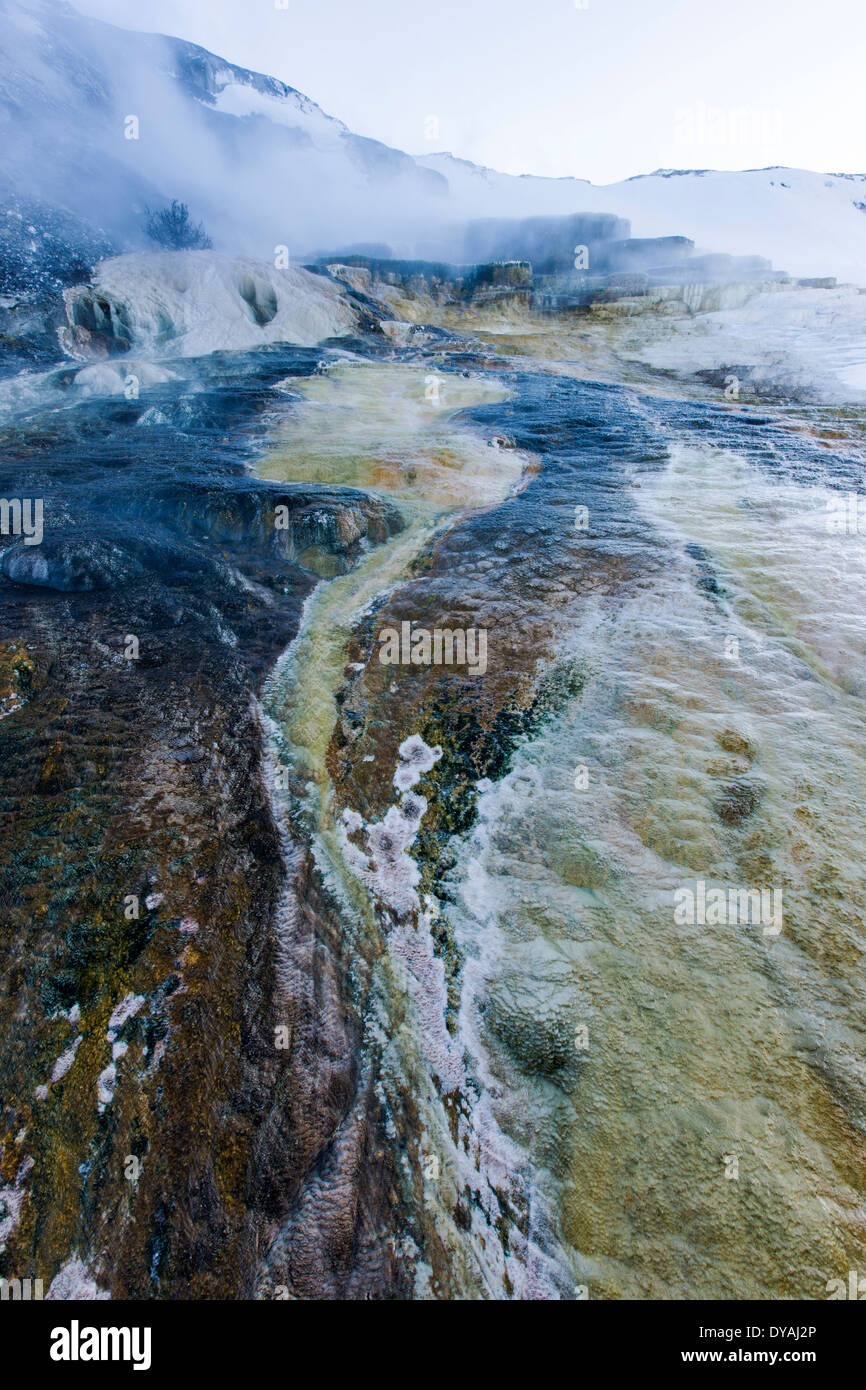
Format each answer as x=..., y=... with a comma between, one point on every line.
x=171, y=227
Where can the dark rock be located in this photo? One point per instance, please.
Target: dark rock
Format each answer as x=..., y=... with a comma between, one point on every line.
x=547, y=242
x=71, y=566
x=818, y=282
x=738, y=802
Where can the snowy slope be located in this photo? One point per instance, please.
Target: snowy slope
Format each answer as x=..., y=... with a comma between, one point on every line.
x=264, y=166
x=105, y=121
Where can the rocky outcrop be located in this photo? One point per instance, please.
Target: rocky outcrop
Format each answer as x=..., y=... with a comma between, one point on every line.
x=188, y=303
x=548, y=242
x=155, y=1132
x=43, y=251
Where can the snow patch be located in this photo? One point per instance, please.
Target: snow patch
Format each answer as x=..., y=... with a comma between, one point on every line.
x=11, y=1202
x=126, y=1009
x=64, y=1062
x=416, y=758
x=74, y=1281
x=241, y=99
x=105, y=1085
x=383, y=863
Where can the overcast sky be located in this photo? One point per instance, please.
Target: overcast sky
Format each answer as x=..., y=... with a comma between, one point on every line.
x=617, y=88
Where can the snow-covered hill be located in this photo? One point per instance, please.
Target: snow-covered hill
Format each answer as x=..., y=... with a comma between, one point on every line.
x=807, y=223
x=104, y=121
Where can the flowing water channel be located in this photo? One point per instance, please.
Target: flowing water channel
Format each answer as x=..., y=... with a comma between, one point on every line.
x=626, y=1008
x=676, y=1107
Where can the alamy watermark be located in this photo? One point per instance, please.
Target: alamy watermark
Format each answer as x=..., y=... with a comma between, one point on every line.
x=727, y=125
x=22, y=516
x=21, y=1290
x=704, y=906
x=845, y=514
x=854, y=1289
x=422, y=646
x=77, y=1343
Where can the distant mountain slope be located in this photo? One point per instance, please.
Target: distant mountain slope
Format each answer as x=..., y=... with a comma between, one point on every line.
x=105, y=120
x=806, y=223
x=263, y=165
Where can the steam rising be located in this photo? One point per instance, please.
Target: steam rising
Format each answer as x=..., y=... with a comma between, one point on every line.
x=106, y=121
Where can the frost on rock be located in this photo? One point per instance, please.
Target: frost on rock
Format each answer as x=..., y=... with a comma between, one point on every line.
x=413, y=947
x=121, y=1014
x=64, y=1062
x=126, y=1009
x=383, y=863
x=74, y=1281
x=105, y=1086
x=11, y=1202
x=416, y=758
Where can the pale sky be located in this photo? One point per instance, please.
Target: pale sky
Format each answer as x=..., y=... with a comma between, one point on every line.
x=620, y=87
